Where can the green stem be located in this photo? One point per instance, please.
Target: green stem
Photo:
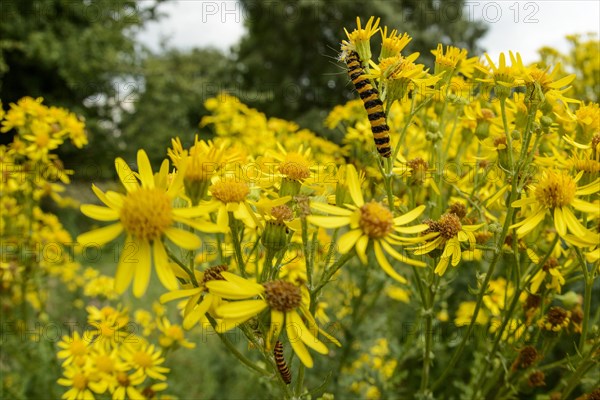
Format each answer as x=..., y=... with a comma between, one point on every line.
x=331, y=250
x=300, y=380
x=508, y=135
x=389, y=182
x=587, y=298
x=452, y=132
x=578, y=374
x=527, y=133
x=350, y=334
x=307, y=251
x=413, y=112
x=177, y=261
x=498, y=335
x=237, y=246
x=243, y=359
x=497, y=253
x=267, y=266
x=427, y=351
x=330, y=272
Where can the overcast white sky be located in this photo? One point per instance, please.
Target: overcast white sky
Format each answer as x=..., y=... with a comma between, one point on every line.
x=522, y=26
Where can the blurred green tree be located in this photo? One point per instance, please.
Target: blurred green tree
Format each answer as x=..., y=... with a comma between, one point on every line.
x=291, y=47
x=74, y=53
x=173, y=85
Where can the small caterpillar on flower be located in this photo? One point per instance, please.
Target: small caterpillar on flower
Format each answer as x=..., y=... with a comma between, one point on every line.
x=286, y=375
x=370, y=97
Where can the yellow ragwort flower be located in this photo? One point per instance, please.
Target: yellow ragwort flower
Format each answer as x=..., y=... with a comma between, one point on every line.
x=369, y=223
x=147, y=215
x=450, y=233
x=287, y=302
x=557, y=193
x=360, y=38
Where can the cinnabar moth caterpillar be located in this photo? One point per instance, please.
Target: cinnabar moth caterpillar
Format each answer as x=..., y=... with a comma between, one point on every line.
x=372, y=102
x=286, y=375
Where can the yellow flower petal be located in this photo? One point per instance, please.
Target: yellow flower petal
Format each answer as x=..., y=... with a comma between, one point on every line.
x=232, y=290
x=471, y=228
x=391, y=251
x=178, y=294
x=385, y=265
x=163, y=269
x=305, y=334
x=198, y=211
x=533, y=256
x=348, y=240
x=530, y=223
x=585, y=207
x=126, y=266
x=524, y=202
x=537, y=281
x=559, y=222
x=409, y=216
x=99, y=213
x=328, y=222
x=176, y=185
x=573, y=224
x=354, y=185
x=223, y=217
x=142, y=269
x=313, y=325
x=243, y=310
x=126, y=175
x=115, y=198
x=590, y=188
x=104, y=198
x=361, y=248
x=183, y=239
x=455, y=251
x=297, y=345
x=100, y=236
x=197, y=313
x=275, y=328
x=442, y=265
x=193, y=301
x=333, y=210
x=496, y=196
x=253, y=287
x=145, y=170
x=411, y=229
x=427, y=247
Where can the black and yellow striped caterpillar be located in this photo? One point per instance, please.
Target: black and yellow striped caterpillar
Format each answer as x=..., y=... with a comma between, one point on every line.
x=286, y=375
x=372, y=102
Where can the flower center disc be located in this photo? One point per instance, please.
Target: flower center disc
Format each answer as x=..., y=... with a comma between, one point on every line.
x=142, y=359
x=79, y=381
x=449, y=225
x=230, y=192
x=146, y=213
x=282, y=296
x=376, y=220
x=557, y=316
x=295, y=166
x=556, y=190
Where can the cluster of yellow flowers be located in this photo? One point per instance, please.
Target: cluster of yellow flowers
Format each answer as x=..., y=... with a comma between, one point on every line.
x=487, y=166
x=254, y=135
x=377, y=367
x=41, y=129
x=492, y=164
x=34, y=242
x=113, y=357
